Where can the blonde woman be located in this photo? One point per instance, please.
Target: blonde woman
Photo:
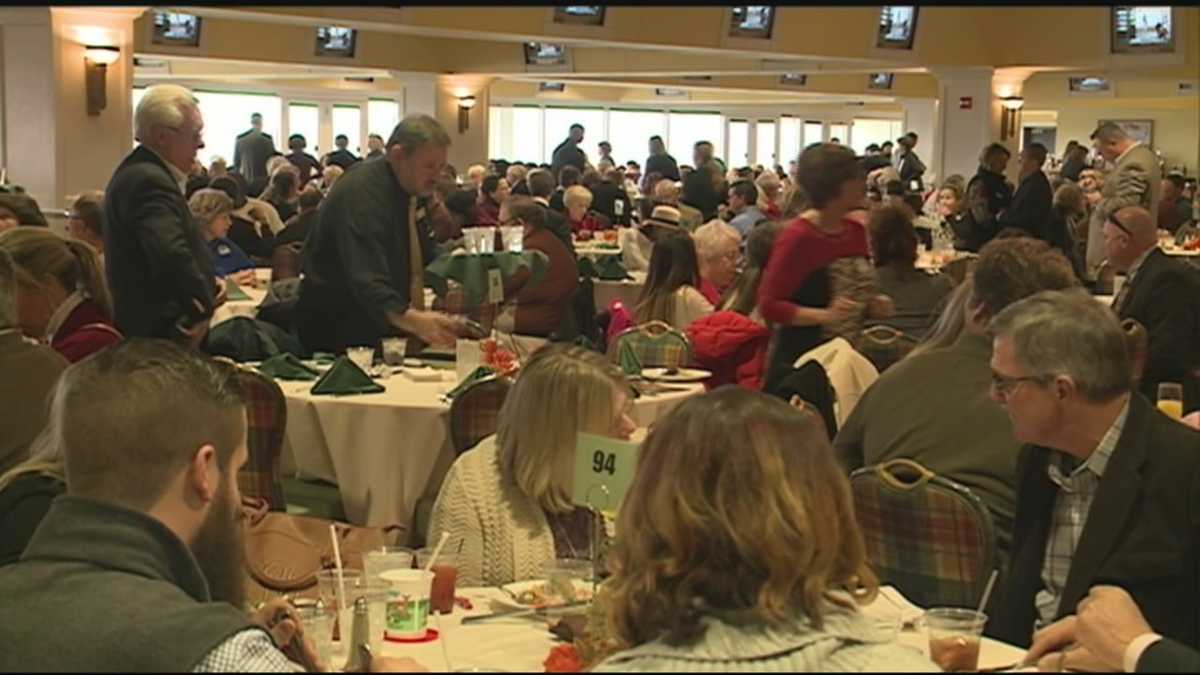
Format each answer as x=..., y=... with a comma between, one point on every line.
x=25, y=495
x=577, y=201
x=717, y=248
x=213, y=209
x=62, y=299
x=508, y=500
x=710, y=575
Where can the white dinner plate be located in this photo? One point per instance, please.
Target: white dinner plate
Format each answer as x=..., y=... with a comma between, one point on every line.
x=583, y=591
x=680, y=374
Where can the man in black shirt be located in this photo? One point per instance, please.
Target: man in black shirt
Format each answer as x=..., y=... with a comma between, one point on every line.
x=1030, y=208
x=610, y=199
x=252, y=150
x=568, y=152
x=659, y=161
x=308, y=165
x=364, y=260
x=342, y=157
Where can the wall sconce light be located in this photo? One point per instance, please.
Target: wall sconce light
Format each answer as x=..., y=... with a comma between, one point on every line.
x=465, y=103
x=95, y=68
x=1008, y=115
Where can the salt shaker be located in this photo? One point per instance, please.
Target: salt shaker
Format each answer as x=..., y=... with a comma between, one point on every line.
x=360, y=640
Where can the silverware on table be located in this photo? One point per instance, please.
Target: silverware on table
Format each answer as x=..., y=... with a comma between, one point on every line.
x=517, y=613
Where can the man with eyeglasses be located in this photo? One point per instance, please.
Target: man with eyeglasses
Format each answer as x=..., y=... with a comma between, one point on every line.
x=159, y=269
x=1162, y=294
x=1108, y=488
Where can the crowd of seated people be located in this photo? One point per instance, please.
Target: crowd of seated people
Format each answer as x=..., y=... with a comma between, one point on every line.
x=1022, y=389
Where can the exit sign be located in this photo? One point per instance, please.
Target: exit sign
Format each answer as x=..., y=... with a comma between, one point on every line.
x=964, y=102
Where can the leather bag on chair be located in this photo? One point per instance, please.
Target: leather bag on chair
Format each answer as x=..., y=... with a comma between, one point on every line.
x=284, y=552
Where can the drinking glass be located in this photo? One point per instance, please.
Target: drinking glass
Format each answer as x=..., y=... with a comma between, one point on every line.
x=445, y=577
x=362, y=357
x=487, y=240
x=471, y=239
x=954, y=637
x=394, y=349
x=1170, y=399
x=317, y=623
x=385, y=558
x=513, y=238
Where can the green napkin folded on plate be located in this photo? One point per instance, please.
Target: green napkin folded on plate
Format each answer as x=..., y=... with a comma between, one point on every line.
x=630, y=363
x=233, y=292
x=345, y=378
x=285, y=366
x=324, y=358
x=586, y=267
x=476, y=375
x=609, y=268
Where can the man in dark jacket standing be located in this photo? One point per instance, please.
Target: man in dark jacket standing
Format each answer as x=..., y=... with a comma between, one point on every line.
x=252, y=150
x=987, y=195
x=159, y=269
x=1030, y=208
x=659, y=161
x=364, y=261
x=568, y=153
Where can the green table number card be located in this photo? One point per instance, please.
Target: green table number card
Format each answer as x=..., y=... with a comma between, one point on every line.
x=603, y=471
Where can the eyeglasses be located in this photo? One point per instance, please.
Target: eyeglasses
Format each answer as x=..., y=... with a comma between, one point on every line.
x=1121, y=226
x=1005, y=386
x=197, y=136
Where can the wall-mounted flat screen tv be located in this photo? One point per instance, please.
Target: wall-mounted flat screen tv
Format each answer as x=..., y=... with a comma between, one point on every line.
x=174, y=28
x=1138, y=29
x=580, y=15
x=752, y=21
x=793, y=79
x=1088, y=84
x=897, y=26
x=545, y=54
x=880, y=80
x=336, y=41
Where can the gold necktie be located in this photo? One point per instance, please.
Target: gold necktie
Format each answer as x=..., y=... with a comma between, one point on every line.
x=416, y=263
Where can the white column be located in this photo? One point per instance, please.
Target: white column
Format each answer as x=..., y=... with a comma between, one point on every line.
x=963, y=132
x=30, y=132
x=420, y=93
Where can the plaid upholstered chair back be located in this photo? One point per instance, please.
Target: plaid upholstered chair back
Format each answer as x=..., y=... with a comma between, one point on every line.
x=474, y=412
x=884, y=345
x=656, y=344
x=266, y=423
x=928, y=536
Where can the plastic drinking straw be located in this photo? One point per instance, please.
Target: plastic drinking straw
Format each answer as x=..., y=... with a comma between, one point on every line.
x=340, y=590
x=436, y=552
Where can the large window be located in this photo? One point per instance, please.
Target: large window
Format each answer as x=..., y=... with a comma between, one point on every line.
x=686, y=129
x=347, y=121
x=227, y=114
x=558, y=123
x=515, y=133
x=789, y=140
x=629, y=132
x=764, y=143
x=813, y=133
x=839, y=132
x=739, y=144
x=867, y=131
x=305, y=119
x=383, y=114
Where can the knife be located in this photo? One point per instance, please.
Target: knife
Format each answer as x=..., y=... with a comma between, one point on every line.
x=516, y=613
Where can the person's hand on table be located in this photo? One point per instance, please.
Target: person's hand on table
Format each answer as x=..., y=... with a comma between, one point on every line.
x=1074, y=659
x=434, y=328
x=279, y=619
x=246, y=278
x=1108, y=620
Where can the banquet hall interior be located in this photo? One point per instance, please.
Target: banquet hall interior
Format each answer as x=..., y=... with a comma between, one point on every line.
x=566, y=338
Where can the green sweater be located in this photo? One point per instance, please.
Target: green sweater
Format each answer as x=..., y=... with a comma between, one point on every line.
x=106, y=589
x=934, y=408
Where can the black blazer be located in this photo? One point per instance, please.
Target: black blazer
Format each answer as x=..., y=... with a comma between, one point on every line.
x=1168, y=656
x=1030, y=207
x=156, y=262
x=1164, y=296
x=1142, y=532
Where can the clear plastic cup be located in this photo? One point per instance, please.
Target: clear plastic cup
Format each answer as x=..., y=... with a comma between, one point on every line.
x=316, y=621
x=567, y=576
x=383, y=559
x=514, y=238
x=954, y=637
x=487, y=239
x=362, y=357
x=394, y=349
x=407, y=613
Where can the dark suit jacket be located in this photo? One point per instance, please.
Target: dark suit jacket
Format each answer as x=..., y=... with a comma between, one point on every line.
x=566, y=153
x=251, y=153
x=1164, y=296
x=1142, y=532
x=157, y=263
x=605, y=199
x=1169, y=656
x=663, y=164
x=1030, y=207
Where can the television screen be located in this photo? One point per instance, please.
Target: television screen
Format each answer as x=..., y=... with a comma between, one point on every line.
x=1142, y=29
x=664, y=91
x=552, y=86
x=585, y=15
x=545, y=54
x=335, y=41
x=173, y=28
x=753, y=21
x=897, y=26
x=879, y=81
x=793, y=79
x=1088, y=84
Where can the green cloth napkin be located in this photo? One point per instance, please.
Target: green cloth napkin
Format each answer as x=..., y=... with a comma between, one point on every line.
x=472, y=271
x=476, y=375
x=233, y=292
x=324, y=358
x=630, y=363
x=285, y=366
x=345, y=378
x=586, y=267
x=609, y=268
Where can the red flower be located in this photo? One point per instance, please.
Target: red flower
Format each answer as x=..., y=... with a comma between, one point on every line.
x=563, y=659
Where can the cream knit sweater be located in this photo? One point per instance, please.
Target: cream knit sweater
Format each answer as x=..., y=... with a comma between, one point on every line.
x=505, y=534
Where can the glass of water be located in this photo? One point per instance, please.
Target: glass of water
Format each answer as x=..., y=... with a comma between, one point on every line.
x=362, y=357
x=394, y=349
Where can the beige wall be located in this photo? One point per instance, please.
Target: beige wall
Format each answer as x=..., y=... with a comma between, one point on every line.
x=1176, y=131
x=471, y=146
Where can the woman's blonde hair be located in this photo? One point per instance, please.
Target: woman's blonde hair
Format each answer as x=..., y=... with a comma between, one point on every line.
x=559, y=393
x=714, y=238
x=208, y=204
x=38, y=253
x=46, y=458
x=577, y=195
x=738, y=509
x=949, y=325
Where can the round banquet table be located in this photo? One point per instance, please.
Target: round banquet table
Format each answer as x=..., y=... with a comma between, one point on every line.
x=522, y=644
x=386, y=450
x=594, y=249
x=604, y=292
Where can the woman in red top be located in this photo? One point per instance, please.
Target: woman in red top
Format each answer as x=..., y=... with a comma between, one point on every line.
x=62, y=298
x=577, y=200
x=796, y=295
x=492, y=193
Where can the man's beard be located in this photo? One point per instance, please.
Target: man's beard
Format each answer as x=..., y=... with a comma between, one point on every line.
x=220, y=550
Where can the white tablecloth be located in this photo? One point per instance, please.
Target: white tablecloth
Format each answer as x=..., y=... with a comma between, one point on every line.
x=521, y=645
x=593, y=250
x=247, y=308
x=385, y=450
x=604, y=292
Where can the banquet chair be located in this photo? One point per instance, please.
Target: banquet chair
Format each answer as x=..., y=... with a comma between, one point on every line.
x=266, y=420
x=930, y=537
x=474, y=412
x=884, y=345
x=656, y=344
x=285, y=262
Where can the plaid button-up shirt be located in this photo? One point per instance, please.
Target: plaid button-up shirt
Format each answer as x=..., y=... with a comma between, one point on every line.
x=1076, y=491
